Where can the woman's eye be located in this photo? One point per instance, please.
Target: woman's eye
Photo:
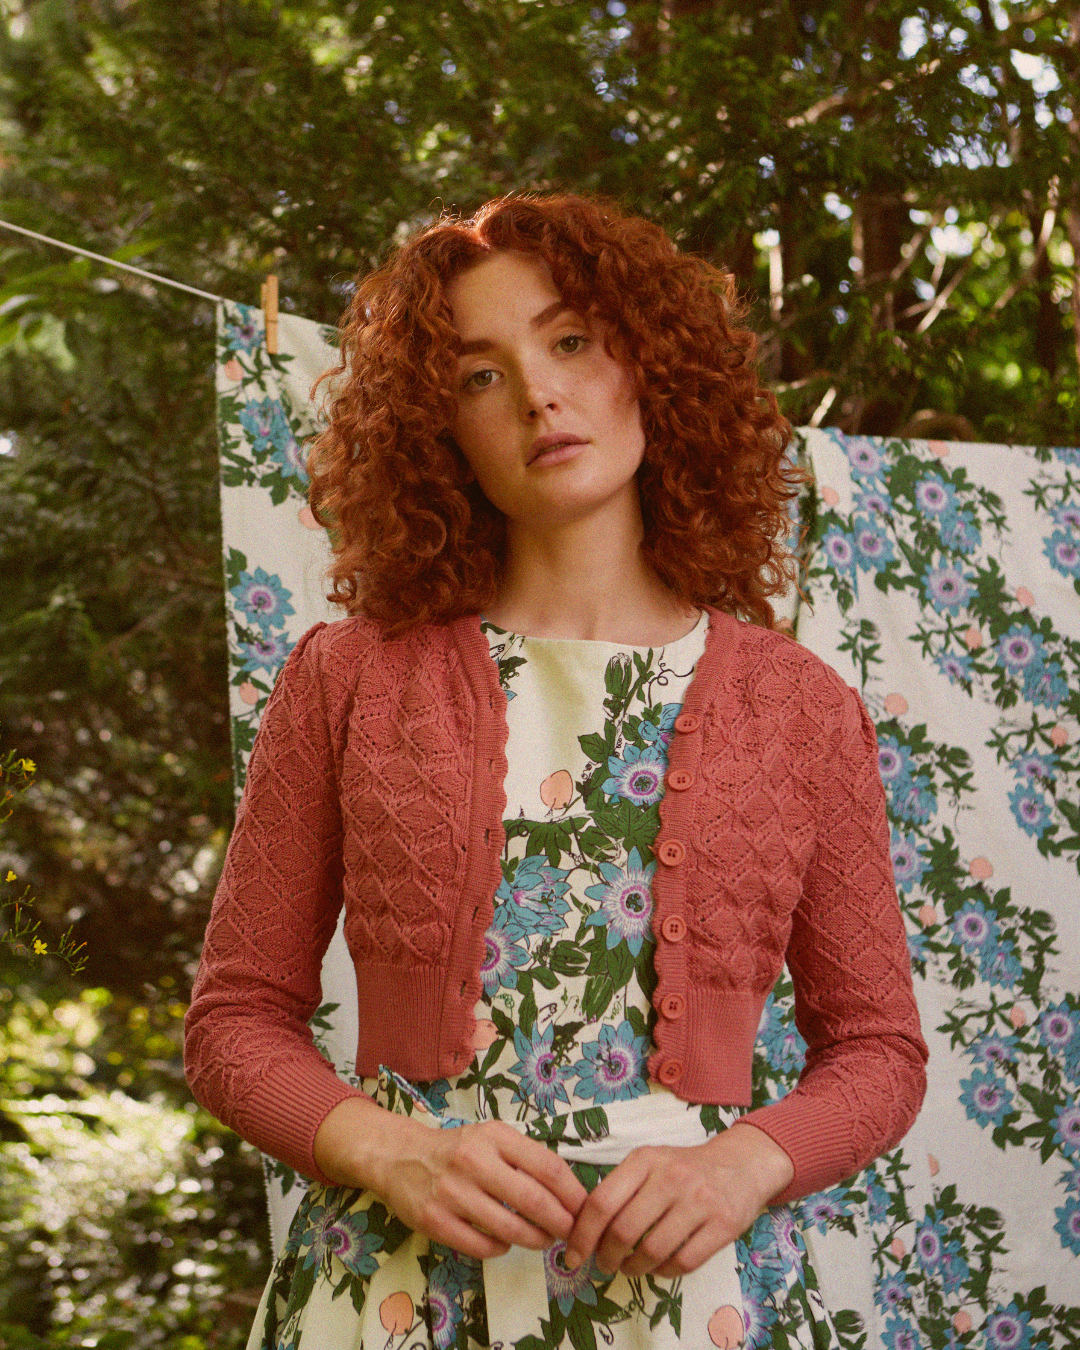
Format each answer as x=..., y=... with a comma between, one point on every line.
x=579, y=338
x=474, y=380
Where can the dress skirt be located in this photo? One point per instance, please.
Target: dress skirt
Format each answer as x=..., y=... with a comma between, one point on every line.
x=352, y=1276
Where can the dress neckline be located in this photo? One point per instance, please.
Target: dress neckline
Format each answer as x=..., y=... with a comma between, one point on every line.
x=599, y=644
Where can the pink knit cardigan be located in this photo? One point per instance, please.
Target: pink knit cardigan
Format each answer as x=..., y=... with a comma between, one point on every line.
x=376, y=780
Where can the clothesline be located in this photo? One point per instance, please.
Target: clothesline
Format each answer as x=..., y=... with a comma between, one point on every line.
x=101, y=257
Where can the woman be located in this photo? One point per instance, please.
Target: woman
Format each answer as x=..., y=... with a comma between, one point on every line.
x=579, y=802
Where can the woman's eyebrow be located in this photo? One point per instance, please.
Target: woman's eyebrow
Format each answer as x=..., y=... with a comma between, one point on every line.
x=552, y=311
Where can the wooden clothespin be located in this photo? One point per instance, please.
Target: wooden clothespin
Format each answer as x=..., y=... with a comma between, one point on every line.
x=270, y=312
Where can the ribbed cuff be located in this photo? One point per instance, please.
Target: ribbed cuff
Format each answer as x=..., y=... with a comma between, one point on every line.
x=284, y=1110
x=814, y=1135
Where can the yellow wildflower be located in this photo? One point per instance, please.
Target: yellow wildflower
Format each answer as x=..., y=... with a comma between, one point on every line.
x=28, y=766
x=10, y=876
x=40, y=948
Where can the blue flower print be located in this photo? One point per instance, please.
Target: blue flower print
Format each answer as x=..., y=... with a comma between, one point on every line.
x=1063, y=553
x=1067, y=515
x=1067, y=1128
x=974, y=927
x=540, y=1077
x=960, y=533
x=1030, y=809
x=900, y=1334
x=638, y=776
x=839, y=549
x=779, y=1038
x=566, y=1286
x=947, y=588
x=872, y=503
x=1045, y=685
x=1059, y=1031
x=863, y=456
x=788, y=1239
x=445, y=1297
x=913, y=802
x=1008, y=1329
x=908, y=863
x=265, y=424
x=935, y=498
x=349, y=1240
x=759, y=1255
x=245, y=336
x=822, y=1209
x=918, y=945
x=892, y=1291
x=894, y=761
x=329, y=1233
x=1022, y=654
x=1019, y=648
x=534, y=899
x=612, y=1070
x=661, y=734
x=877, y=1197
x=955, y=666
x=985, y=1098
x=954, y=1272
x=994, y=1049
x=502, y=956
x=873, y=548
x=1034, y=768
x=625, y=899
x=1067, y=1226
x=930, y=1249
x=1000, y=964
x=262, y=599
x=264, y=653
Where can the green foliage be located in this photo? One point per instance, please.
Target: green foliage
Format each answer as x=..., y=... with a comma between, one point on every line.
x=22, y=931
x=124, y=1220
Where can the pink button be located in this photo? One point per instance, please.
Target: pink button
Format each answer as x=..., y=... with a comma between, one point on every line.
x=679, y=779
x=673, y=1006
x=673, y=928
x=687, y=722
x=671, y=852
x=670, y=1071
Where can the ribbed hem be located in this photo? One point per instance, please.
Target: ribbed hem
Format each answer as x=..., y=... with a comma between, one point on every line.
x=399, y=1009
x=715, y=1066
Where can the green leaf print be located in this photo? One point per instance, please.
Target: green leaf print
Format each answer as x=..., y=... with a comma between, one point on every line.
x=567, y=958
x=599, y=992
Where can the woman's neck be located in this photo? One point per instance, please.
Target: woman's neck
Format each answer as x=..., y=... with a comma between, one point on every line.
x=578, y=581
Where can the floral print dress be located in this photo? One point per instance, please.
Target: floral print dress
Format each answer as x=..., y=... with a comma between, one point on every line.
x=563, y=1033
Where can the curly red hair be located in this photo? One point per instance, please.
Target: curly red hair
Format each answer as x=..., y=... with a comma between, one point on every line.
x=413, y=536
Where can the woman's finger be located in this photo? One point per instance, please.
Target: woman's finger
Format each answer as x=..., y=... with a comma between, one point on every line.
x=696, y=1250
x=500, y=1222
x=643, y=1214
x=668, y=1239
x=601, y=1207
x=553, y=1173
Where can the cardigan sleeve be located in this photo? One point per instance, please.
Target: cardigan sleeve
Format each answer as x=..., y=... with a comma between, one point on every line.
x=249, y=1054
x=864, y=1078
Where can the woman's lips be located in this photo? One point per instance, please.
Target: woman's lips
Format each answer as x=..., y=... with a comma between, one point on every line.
x=557, y=453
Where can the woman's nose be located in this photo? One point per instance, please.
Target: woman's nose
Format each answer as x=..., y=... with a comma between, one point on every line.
x=538, y=392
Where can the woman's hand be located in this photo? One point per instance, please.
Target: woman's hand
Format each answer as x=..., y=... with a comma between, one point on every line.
x=667, y=1210
x=478, y=1188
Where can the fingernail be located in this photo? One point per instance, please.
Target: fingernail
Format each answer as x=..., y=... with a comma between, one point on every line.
x=571, y=1259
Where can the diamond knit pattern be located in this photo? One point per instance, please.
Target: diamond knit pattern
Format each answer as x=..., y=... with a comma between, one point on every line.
x=376, y=781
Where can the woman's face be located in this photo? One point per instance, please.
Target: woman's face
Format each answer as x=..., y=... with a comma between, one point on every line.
x=531, y=368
